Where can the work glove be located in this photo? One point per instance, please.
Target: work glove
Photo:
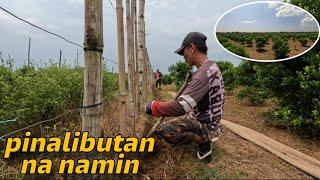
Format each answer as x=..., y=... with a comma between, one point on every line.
x=149, y=108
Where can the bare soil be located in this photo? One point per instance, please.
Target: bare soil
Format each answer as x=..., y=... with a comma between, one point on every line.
x=268, y=54
x=296, y=47
x=233, y=157
x=265, y=54
x=241, y=113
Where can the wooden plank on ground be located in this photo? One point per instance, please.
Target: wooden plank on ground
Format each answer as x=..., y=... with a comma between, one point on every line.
x=290, y=155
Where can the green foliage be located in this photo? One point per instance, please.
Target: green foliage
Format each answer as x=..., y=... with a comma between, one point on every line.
x=256, y=96
x=260, y=42
x=246, y=72
x=222, y=39
x=280, y=47
x=249, y=41
x=295, y=85
x=178, y=72
x=33, y=95
x=166, y=79
x=229, y=74
x=242, y=39
x=239, y=50
x=303, y=41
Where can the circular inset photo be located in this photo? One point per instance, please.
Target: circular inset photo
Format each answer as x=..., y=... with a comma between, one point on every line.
x=267, y=31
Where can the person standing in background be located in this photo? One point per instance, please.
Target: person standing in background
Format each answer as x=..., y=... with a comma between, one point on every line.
x=158, y=76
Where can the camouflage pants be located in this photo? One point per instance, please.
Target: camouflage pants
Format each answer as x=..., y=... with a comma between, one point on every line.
x=182, y=130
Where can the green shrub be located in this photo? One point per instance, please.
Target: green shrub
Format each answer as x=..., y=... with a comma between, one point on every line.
x=32, y=95
x=229, y=74
x=280, y=47
x=260, y=42
x=238, y=50
x=249, y=41
x=166, y=79
x=303, y=41
x=255, y=96
x=178, y=72
x=221, y=38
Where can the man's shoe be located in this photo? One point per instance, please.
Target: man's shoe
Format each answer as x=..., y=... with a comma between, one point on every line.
x=205, y=150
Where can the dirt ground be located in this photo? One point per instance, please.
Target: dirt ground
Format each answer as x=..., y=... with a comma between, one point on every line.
x=241, y=113
x=296, y=47
x=233, y=156
x=268, y=54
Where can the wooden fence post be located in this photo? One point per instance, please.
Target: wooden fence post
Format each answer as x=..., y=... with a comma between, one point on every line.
x=29, y=47
x=136, y=73
x=130, y=53
x=141, y=53
x=93, y=46
x=122, y=69
x=145, y=72
x=149, y=74
x=77, y=61
x=60, y=56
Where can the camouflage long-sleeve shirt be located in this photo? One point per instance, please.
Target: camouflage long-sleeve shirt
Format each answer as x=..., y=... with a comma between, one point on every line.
x=203, y=98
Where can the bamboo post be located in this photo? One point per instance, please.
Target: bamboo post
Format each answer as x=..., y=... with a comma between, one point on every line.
x=93, y=46
x=150, y=78
x=141, y=52
x=133, y=53
x=60, y=56
x=29, y=47
x=130, y=53
x=137, y=93
x=122, y=69
x=77, y=61
x=145, y=72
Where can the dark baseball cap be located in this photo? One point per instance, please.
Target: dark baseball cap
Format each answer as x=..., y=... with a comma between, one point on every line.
x=193, y=37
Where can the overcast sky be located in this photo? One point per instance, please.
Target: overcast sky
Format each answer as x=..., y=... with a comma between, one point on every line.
x=267, y=17
x=167, y=22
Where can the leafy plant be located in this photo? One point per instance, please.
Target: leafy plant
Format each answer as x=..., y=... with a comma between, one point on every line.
x=303, y=41
x=239, y=50
x=260, y=42
x=178, y=72
x=166, y=79
x=229, y=74
x=280, y=47
x=32, y=95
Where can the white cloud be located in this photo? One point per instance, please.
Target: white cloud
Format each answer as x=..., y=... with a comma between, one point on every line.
x=272, y=5
x=248, y=21
x=307, y=20
x=308, y=24
x=288, y=10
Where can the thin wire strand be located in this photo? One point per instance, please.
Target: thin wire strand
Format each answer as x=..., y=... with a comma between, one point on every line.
x=112, y=5
x=8, y=121
x=33, y=125
x=59, y=36
x=49, y=32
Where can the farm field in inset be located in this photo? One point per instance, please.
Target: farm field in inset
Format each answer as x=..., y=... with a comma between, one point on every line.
x=267, y=46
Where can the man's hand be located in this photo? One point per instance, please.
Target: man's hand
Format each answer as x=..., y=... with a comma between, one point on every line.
x=149, y=108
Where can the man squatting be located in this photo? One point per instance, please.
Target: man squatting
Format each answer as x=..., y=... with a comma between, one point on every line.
x=199, y=108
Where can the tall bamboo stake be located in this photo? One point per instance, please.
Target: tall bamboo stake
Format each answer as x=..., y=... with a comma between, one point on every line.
x=122, y=69
x=145, y=72
x=29, y=47
x=77, y=61
x=130, y=53
x=60, y=56
x=149, y=73
x=137, y=93
x=141, y=53
x=93, y=46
